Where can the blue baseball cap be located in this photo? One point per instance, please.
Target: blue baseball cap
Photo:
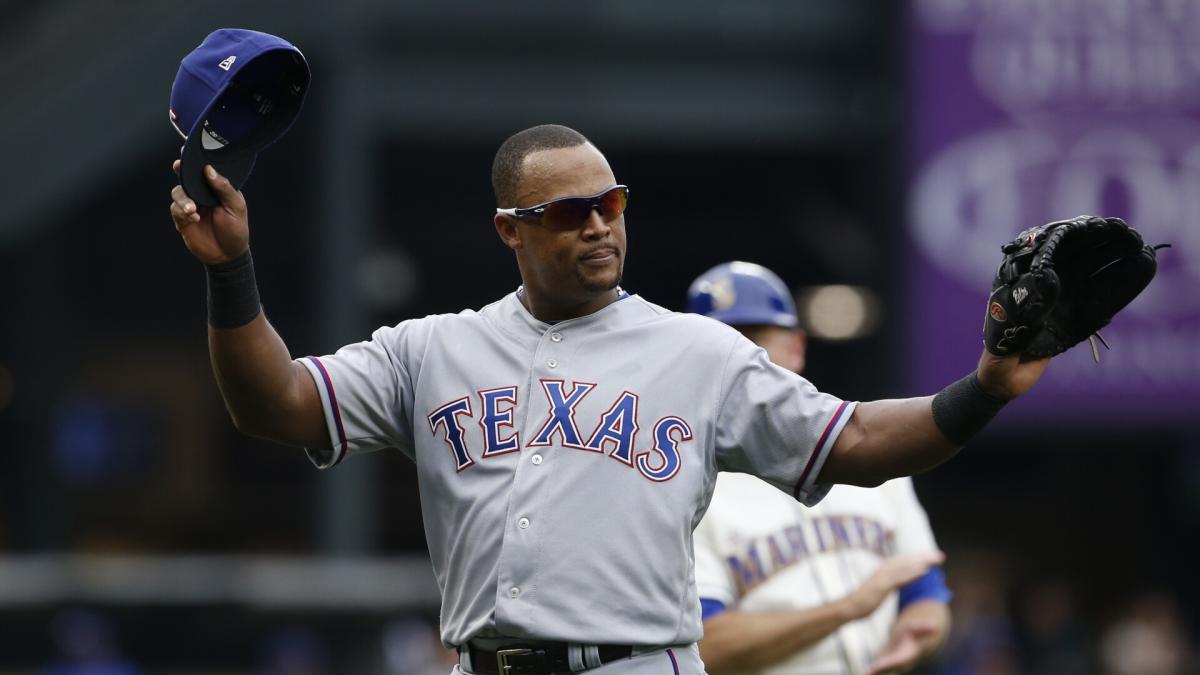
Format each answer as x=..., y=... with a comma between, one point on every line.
x=743, y=294
x=234, y=95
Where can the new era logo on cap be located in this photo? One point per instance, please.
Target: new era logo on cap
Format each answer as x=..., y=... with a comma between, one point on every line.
x=224, y=65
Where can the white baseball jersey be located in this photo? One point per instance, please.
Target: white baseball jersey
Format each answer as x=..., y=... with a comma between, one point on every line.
x=562, y=468
x=756, y=552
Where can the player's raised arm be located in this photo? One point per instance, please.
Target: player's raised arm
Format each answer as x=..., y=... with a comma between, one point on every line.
x=267, y=394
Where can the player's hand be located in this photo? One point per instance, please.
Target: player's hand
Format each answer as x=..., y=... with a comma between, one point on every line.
x=903, y=650
x=1007, y=377
x=891, y=575
x=216, y=234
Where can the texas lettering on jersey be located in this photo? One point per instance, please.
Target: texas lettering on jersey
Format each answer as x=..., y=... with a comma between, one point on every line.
x=615, y=433
x=762, y=557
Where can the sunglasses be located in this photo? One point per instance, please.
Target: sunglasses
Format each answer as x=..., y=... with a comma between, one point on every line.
x=570, y=213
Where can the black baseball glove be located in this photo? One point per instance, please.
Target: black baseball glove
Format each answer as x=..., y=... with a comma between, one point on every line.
x=1062, y=282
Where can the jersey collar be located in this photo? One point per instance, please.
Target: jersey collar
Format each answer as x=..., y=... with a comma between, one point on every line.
x=519, y=294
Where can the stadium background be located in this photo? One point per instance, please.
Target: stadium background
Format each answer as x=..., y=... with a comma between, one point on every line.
x=821, y=139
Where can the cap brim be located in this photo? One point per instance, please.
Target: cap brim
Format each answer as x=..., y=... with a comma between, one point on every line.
x=756, y=318
x=232, y=164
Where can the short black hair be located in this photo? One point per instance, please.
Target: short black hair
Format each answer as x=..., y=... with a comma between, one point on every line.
x=506, y=168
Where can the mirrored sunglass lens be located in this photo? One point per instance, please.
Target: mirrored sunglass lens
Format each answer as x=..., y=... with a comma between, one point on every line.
x=566, y=213
x=612, y=203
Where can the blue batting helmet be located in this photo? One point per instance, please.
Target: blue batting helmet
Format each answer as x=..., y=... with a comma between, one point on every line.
x=742, y=293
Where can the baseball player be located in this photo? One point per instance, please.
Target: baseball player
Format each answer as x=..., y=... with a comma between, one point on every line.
x=567, y=437
x=845, y=586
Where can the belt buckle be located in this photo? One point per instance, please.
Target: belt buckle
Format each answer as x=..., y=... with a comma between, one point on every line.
x=502, y=655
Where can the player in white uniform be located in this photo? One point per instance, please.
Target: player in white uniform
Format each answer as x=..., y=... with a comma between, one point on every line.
x=568, y=436
x=845, y=586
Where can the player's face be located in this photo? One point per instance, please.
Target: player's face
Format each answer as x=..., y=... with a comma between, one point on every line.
x=573, y=267
x=785, y=346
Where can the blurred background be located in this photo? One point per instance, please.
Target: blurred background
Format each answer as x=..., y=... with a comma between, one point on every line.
x=874, y=154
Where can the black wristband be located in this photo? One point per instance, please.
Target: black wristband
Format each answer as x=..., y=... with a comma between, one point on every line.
x=963, y=408
x=232, y=293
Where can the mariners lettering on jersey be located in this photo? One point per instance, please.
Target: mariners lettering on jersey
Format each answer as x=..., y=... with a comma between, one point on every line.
x=615, y=432
x=767, y=555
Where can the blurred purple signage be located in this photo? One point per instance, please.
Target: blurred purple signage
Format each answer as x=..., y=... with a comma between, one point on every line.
x=1027, y=112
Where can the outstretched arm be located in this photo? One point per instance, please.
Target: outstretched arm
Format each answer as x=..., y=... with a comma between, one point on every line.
x=901, y=437
x=736, y=641
x=267, y=394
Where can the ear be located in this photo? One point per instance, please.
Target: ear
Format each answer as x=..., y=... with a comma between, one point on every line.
x=800, y=346
x=510, y=234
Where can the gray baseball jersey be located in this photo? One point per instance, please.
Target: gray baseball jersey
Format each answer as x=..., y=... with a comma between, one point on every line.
x=562, y=468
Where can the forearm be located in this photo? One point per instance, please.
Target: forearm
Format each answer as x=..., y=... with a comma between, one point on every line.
x=266, y=393
x=933, y=619
x=255, y=373
x=738, y=641
x=887, y=439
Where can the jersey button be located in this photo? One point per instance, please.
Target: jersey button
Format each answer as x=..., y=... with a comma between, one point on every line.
x=536, y=459
x=523, y=523
x=552, y=363
x=514, y=592
x=556, y=337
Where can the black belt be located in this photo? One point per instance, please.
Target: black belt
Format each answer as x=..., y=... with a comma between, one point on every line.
x=536, y=658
